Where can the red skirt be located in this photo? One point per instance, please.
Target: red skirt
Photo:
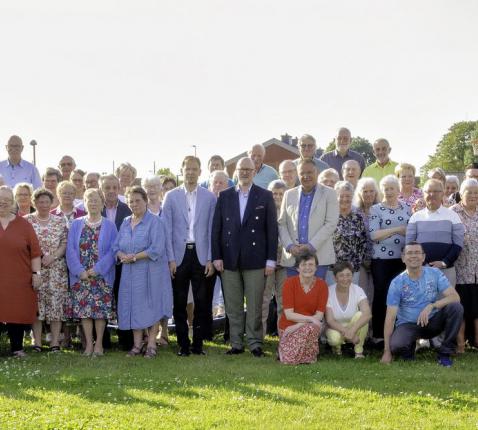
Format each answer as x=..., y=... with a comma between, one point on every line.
x=299, y=344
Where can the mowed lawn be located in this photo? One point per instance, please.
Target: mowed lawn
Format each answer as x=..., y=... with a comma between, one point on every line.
x=69, y=391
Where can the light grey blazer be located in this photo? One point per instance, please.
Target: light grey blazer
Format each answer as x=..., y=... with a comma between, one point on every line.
x=323, y=218
x=175, y=216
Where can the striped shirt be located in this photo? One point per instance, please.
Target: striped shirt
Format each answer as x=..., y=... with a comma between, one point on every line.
x=440, y=232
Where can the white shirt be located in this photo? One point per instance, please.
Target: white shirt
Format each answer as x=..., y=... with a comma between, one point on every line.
x=343, y=316
x=191, y=199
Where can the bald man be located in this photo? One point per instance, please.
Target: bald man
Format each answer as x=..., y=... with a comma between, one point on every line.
x=383, y=166
x=265, y=174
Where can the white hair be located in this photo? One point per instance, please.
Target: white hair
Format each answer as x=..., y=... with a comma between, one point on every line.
x=389, y=180
x=452, y=179
x=361, y=184
x=468, y=183
x=151, y=180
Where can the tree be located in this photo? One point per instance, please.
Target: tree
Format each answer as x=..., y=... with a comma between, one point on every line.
x=166, y=171
x=359, y=144
x=454, y=150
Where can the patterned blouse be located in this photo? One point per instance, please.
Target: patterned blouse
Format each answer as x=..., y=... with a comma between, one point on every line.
x=350, y=239
x=467, y=263
x=412, y=199
x=381, y=218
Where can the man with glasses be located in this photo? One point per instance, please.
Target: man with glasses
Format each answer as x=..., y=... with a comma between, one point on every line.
x=264, y=174
x=307, y=149
x=288, y=173
x=66, y=166
x=308, y=218
x=438, y=229
x=14, y=169
x=244, y=251
x=421, y=304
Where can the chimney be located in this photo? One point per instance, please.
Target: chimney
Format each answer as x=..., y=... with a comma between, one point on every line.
x=295, y=141
x=285, y=138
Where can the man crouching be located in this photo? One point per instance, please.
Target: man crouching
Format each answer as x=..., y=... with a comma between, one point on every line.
x=421, y=304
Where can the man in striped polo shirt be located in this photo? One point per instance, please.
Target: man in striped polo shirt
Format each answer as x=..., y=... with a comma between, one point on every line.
x=438, y=229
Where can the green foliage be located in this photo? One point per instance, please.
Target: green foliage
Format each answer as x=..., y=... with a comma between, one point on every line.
x=454, y=150
x=166, y=171
x=69, y=391
x=359, y=144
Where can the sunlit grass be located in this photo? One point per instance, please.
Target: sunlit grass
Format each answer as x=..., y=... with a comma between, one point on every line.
x=69, y=391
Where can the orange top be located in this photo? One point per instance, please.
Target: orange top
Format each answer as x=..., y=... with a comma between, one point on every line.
x=18, y=245
x=294, y=297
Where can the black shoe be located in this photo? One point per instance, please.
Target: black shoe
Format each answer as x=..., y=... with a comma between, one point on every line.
x=197, y=351
x=184, y=353
x=235, y=351
x=257, y=352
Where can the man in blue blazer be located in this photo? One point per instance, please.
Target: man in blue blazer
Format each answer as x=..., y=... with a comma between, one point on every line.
x=116, y=211
x=244, y=251
x=187, y=213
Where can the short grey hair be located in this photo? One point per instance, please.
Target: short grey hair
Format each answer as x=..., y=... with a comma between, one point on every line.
x=277, y=184
x=468, y=183
x=389, y=180
x=218, y=173
x=453, y=180
x=344, y=186
x=151, y=180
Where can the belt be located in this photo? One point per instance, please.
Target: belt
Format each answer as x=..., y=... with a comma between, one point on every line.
x=190, y=245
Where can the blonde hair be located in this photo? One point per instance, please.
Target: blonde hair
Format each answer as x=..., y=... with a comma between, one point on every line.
x=404, y=166
x=91, y=191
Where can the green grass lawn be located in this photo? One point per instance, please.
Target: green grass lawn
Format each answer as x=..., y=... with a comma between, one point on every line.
x=69, y=391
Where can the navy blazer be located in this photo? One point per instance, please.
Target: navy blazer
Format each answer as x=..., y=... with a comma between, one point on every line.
x=247, y=245
x=122, y=211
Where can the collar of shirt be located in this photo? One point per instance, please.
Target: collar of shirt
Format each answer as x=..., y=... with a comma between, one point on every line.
x=192, y=192
x=312, y=191
x=337, y=153
x=438, y=211
x=20, y=163
x=244, y=194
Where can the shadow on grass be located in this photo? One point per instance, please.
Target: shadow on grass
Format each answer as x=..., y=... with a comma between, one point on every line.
x=136, y=380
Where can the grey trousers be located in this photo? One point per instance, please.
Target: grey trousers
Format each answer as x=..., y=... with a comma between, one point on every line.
x=236, y=285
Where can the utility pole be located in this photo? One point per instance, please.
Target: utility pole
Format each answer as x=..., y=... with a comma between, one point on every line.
x=34, y=143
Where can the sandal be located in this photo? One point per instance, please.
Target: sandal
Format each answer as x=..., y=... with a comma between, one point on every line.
x=36, y=348
x=55, y=349
x=150, y=352
x=359, y=355
x=133, y=352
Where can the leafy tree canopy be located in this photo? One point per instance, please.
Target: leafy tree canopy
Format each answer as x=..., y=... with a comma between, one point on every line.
x=454, y=150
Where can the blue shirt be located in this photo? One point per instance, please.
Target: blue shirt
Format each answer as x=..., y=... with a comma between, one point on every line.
x=305, y=204
x=21, y=172
x=265, y=176
x=243, y=197
x=411, y=296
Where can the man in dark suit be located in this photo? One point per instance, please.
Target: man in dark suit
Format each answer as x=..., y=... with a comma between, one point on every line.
x=116, y=211
x=244, y=251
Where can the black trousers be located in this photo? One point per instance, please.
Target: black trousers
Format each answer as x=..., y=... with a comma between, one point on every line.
x=447, y=319
x=191, y=271
x=15, y=334
x=383, y=272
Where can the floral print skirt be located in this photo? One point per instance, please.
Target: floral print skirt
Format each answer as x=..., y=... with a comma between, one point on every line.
x=299, y=344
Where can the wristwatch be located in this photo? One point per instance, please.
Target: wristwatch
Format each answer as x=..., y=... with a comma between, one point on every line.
x=36, y=273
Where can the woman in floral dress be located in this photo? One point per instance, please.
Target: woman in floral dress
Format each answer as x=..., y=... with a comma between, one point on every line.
x=91, y=265
x=53, y=292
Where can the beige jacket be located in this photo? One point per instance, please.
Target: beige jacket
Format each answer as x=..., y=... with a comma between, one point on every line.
x=323, y=218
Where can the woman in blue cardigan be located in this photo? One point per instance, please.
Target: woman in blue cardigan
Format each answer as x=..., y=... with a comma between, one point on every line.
x=91, y=264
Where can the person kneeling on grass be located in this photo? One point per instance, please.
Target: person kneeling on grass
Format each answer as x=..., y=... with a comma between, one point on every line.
x=421, y=304
x=304, y=298
x=348, y=311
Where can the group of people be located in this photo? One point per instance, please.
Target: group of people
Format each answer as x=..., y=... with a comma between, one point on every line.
x=346, y=251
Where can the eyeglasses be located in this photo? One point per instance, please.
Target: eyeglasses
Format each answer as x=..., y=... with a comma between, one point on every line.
x=433, y=191
x=245, y=170
x=307, y=145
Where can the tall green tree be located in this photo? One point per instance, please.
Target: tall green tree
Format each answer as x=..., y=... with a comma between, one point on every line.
x=454, y=151
x=359, y=144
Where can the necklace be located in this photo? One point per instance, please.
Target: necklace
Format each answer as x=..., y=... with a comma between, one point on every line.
x=42, y=219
